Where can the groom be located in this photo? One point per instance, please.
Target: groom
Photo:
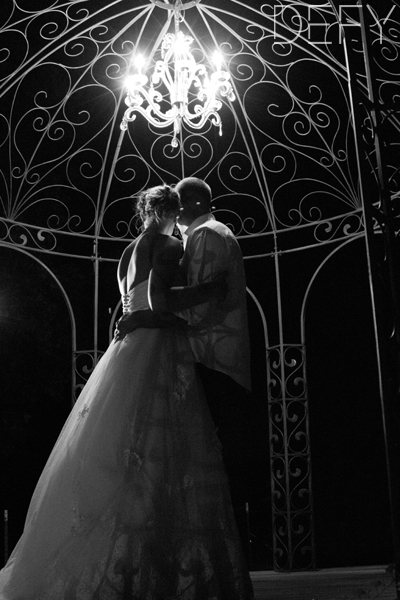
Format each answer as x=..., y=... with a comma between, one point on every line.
x=219, y=335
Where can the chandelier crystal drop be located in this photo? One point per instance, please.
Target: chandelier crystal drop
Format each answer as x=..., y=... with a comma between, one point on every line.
x=179, y=90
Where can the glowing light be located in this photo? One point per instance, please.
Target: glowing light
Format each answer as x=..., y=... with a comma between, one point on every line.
x=180, y=90
x=217, y=58
x=139, y=62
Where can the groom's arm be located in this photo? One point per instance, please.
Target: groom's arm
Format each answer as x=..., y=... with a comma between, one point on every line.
x=145, y=319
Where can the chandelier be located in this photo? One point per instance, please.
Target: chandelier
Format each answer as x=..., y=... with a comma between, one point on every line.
x=179, y=90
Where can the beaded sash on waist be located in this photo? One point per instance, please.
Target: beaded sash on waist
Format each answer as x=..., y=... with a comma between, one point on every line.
x=136, y=298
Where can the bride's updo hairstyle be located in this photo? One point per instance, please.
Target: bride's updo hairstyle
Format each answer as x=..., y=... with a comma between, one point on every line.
x=157, y=203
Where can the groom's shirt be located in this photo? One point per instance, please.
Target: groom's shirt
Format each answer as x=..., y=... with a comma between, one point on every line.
x=220, y=336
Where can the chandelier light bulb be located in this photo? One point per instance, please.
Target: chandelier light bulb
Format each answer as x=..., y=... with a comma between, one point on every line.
x=180, y=44
x=217, y=59
x=139, y=62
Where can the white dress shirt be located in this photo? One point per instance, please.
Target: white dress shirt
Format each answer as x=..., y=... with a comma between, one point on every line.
x=220, y=336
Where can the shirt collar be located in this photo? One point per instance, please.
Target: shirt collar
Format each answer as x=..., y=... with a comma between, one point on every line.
x=199, y=221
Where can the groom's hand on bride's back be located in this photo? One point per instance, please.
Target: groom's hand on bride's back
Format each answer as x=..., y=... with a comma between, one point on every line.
x=129, y=322
x=147, y=319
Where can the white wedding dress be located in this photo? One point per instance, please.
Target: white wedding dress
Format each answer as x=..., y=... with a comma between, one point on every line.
x=133, y=502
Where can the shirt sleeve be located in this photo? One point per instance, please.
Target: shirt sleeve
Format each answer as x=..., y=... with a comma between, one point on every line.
x=207, y=257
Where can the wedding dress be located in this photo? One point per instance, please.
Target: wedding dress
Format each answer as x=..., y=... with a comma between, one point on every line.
x=133, y=502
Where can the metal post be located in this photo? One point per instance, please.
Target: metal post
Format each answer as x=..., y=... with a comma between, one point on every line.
x=380, y=210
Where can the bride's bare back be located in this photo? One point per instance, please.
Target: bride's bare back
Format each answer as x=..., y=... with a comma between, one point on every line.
x=152, y=250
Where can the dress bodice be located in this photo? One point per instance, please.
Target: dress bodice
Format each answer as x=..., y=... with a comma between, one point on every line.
x=136, y=298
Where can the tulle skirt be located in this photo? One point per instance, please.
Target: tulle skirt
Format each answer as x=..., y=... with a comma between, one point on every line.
x=133, y=502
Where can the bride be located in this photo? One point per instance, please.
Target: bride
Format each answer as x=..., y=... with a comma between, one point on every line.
x=133, y=502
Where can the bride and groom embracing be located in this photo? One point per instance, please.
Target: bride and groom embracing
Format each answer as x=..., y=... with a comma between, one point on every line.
x=134, y=501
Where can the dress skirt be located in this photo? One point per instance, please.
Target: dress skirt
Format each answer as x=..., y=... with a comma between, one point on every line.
x=133, y=502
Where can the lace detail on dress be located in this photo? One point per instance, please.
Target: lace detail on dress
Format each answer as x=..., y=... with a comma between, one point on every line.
x=132, y=459
x=83, y=412
x=77, y=522
x=182, y=384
